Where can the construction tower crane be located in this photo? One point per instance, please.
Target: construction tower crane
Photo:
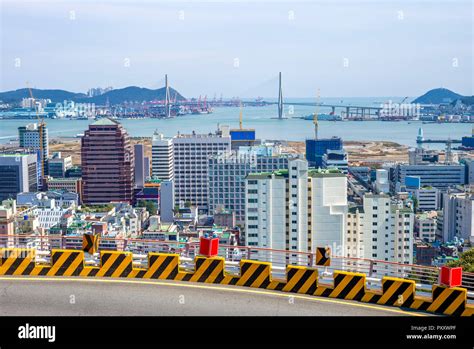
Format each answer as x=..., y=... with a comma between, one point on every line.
x=41, y=126
x=240, y=116
x=315, y=118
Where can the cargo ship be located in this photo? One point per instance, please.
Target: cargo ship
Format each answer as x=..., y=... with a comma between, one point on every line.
x=321, y=117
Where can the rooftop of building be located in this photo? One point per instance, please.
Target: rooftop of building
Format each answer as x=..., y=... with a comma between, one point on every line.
x=263, y=175
x=333, y=138
x=325, y=172
x=105, y=122
x=155, y=180
x=14, y=154
x=61, y=179
x=395, y=208
x=427, y=215
x=193, y=134
x=313, y=173
x=375, y=196
x=355, y=209
x=431, y=165
x=242, y=130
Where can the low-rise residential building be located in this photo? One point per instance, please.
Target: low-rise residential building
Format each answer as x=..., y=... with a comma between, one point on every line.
x=7, y=217
x=427, y=199
x=426, y=225
x=425, y=254
x=73, y=185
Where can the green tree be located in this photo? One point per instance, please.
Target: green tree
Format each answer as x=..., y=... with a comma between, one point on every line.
x=150, y=206
x=466, y=261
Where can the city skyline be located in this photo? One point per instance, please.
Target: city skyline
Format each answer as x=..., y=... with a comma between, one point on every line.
x=238, y=48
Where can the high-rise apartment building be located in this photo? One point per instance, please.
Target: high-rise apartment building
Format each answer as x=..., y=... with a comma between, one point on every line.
x=458, y=216
x=162, y=157
x=296, y=209
x=18, y=173
x=227, y=174
x=107, y=163
x=380, y=229
x=191, y=154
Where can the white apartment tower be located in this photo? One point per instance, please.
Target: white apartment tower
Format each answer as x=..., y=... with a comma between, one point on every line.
x=458, y=216
x=380, y=230
x=162, y=157
x=191, y=154
x=296, y=209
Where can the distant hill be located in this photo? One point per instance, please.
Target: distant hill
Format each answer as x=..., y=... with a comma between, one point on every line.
x=437, y=96
x=54, y=95
x=468, y=100
x=131, y=93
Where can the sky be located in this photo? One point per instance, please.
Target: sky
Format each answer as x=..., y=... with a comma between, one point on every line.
x=236, y=48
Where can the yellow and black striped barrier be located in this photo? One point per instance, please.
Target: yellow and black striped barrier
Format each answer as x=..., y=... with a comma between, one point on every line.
x=397, y=292
x=66, y=263
x=17, y=261
x=298, y=280
x=323, y=256
x=254, y=274
x=448, y=300
x=115, y=264
x=208, y=270
x=162, y=266
x=346, y=285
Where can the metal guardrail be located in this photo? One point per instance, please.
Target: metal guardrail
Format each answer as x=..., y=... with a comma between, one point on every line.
x=425, y=276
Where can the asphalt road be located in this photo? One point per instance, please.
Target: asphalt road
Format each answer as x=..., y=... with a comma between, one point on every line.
x=81, y=297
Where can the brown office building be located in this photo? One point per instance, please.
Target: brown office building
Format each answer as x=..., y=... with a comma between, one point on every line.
x=107, y=163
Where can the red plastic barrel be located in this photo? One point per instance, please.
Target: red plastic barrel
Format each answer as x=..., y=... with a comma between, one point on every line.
x=208, y=246
x=451, y=277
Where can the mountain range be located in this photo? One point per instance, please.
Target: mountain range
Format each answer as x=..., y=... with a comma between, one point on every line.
x=438, y=96
x=140, y=94
x=117, y=96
